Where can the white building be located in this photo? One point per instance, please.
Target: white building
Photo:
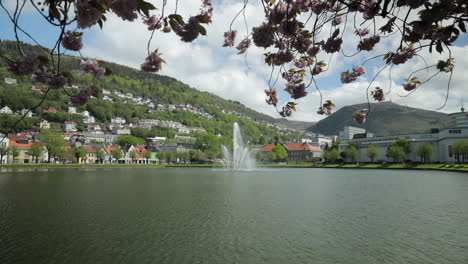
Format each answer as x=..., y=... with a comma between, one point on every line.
x=321, y=141
x=349, y=131
x=121, y=131
x=72, y=110
x=26, y=112
x=4, y=145
x=6, y=110
x=44, y=124
x=118, y=120
x=70, y=126
x=89, y=119
x=442, y=142
x=10, y=81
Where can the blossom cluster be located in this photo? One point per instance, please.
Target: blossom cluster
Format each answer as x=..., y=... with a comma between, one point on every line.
x=272, y=96
x=347, y=77
x=378, y=94
x=93, y=67
x=153, y=62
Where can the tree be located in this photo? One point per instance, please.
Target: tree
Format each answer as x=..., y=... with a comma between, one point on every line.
x=36, y=151
x=79, y=153
x=332, y=155
x=352, y=153
x=53, y=142
x=396, y=153
x=147, y=155
x=372, y=153
x=13, y=152
x=277, y=153
x=404, y=144
x=297, y=49
x=161, y=156
x=424, y=151
x=208, y=144
x=117, y=154
x=133, y=155
x=460, y=150
x=3, y=152
x=101, y=155
x=127, y=140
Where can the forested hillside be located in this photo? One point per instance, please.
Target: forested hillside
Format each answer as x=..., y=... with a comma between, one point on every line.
x=257, y=127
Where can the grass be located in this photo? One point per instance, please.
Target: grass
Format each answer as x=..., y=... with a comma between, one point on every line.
x=409, y=166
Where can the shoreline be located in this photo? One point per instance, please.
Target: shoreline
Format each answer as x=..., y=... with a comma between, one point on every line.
x=432, y=167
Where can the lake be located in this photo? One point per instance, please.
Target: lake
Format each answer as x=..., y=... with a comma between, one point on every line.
x=182, y=215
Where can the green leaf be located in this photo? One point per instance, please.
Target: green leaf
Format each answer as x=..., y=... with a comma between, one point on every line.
x=202, y=30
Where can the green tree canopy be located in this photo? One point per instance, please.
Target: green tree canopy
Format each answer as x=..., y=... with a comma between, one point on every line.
x=79, y=153
x=424, y=151
x=117, y=154
x=53, y=142
x=101, y=155
x=133, y=155
x=128, y=140
x=36, y=151
x=277, y=153
x=352, y=153
x=396, y=153
x=372, y=153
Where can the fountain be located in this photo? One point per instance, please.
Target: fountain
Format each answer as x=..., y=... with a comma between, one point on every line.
x=241, y=157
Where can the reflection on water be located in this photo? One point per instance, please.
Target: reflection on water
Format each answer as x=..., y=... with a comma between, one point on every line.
x=148, y=215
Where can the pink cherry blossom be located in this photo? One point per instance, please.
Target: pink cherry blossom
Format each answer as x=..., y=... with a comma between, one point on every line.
x=153, y=23
x=26, y=66
x=368, y=43
x=409, y=86
x=82, y=97
x=153, y=62
x=72, y=40
x=262, y=37
x=361, y=32
x=378, y=94
x=243, y=45
x=86, y=15
x=229, y=38
x=93, y=67
x=125, y=9
x=272, y=96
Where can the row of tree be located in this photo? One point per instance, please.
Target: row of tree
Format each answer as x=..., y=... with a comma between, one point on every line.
x=397, y=151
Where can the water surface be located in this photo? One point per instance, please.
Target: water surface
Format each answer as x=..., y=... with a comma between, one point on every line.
x=156, y=215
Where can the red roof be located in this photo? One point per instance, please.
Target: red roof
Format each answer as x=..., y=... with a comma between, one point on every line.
x=301, y=146
x=267, y=147
x=109, y=150
x=141, y=152
x=14, y=143
x=70, y=122
x=89, y=149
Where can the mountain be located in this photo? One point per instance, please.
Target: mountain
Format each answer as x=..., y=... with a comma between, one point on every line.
x=386, y=118
x=300, y=125
x=121, y=88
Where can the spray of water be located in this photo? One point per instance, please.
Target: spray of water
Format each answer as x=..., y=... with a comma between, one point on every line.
x=241, y=157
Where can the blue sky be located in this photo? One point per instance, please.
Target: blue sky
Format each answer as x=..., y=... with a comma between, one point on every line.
x=207, y=66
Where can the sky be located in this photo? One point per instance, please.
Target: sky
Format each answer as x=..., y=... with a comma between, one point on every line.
x=207, y=66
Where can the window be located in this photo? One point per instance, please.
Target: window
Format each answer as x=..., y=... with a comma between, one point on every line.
x=450, y=150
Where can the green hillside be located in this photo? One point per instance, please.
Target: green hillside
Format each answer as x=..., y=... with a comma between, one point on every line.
x=386, y=118
x=256, y=127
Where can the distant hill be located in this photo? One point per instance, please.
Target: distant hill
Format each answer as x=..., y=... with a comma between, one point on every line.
x=301, y=125
x=386, y=118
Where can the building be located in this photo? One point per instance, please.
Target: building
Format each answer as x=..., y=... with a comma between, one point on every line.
x=89, y=119
x=72, y=110
x=44, y=124
x=26, y=112
x=10, y=81
x=442, y=142
x=121, y=130
x=349, y=132
x=50, y=110
x=4, y=144
x=70, y=126
x=296, y=151
x=322, y=141
x=23, y=148
x=118, y=120
x=6, y=110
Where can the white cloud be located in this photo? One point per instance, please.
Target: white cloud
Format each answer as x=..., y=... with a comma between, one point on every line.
x=207, y=66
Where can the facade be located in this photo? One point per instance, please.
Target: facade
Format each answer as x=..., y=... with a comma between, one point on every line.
x=321, y=141
x=44, y=124
x=118, y=120
x=349, y=132
x=4, y=145
x=26, y=112
x=72, y=110
x=70, y=126
x=296, y=151
x=442, y=142
x=10, y=81
x=6, y=110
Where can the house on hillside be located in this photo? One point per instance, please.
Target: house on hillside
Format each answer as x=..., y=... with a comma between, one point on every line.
x=70, y=126
x=50, y=110
x=6, y=110
x=23, y=148
x=44, y=124
x=91, y=155
x=10, y=81
x=26, y=112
